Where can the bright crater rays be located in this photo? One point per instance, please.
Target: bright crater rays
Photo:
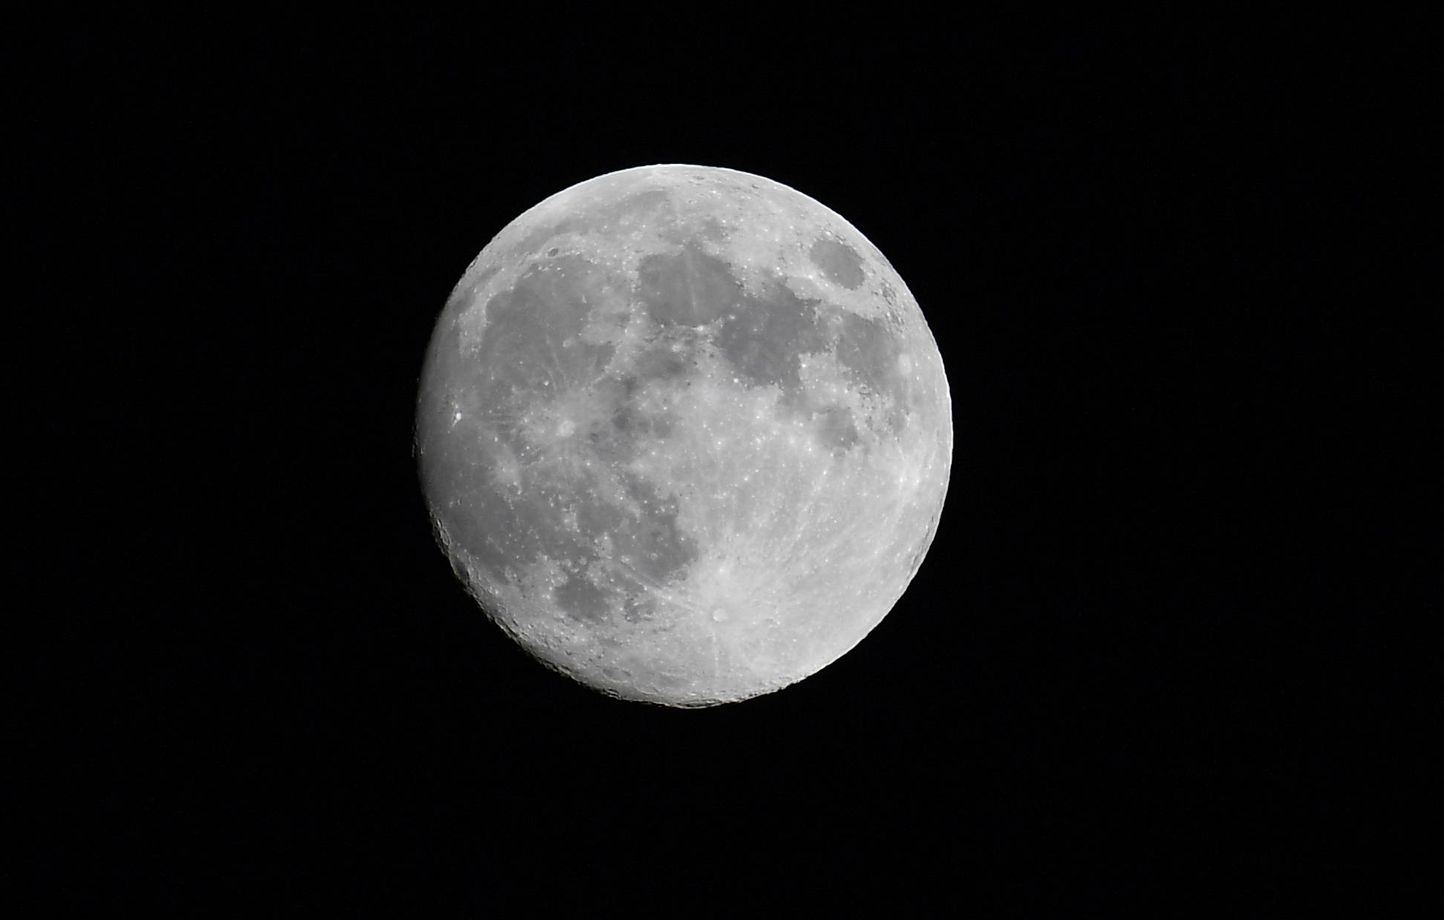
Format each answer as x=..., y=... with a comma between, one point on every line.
x=684, y=433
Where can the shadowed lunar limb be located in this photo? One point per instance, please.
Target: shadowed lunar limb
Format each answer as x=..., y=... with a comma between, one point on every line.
x=684, y=433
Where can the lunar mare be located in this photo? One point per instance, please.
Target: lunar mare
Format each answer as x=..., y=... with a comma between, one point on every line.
x=684, y=433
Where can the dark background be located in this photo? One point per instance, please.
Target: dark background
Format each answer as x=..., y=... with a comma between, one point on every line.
x=1139, y=664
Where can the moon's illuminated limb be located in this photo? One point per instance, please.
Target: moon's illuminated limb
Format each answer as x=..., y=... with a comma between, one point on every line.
x=684, y=433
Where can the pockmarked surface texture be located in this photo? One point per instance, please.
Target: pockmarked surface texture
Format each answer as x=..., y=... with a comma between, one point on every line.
x=684, y=433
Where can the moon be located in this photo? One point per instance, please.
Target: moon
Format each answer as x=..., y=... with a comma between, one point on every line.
x=684, y=434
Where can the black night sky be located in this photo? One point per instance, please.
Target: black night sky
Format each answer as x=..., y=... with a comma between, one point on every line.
x=1131, y=670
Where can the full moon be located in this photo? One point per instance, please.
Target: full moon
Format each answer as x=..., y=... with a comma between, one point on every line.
x=684, y=434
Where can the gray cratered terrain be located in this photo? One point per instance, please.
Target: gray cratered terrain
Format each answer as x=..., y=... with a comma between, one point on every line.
x=684, y=433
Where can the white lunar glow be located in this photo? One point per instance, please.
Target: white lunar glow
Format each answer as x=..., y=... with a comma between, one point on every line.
x=684, y=433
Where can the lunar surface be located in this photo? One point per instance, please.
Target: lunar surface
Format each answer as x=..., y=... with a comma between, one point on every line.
x=684, y=433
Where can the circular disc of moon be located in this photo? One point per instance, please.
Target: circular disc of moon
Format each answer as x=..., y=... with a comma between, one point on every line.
x=684, y=433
